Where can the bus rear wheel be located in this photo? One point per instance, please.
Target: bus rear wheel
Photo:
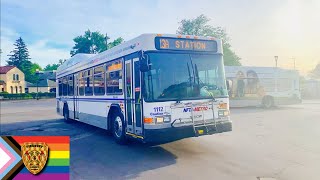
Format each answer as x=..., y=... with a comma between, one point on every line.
x=118, y=128
x=267, y=102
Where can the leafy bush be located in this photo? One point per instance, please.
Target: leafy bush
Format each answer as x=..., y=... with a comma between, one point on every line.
x=28, y=95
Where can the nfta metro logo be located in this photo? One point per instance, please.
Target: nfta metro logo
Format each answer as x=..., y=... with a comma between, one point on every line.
x=200, y=108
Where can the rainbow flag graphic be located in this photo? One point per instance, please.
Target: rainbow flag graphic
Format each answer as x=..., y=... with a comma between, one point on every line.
x=57, y=165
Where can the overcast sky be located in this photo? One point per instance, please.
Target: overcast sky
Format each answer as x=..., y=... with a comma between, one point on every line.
x=259, y=30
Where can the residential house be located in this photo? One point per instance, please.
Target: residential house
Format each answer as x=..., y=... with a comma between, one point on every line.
x=11, y=80
x=46, y=83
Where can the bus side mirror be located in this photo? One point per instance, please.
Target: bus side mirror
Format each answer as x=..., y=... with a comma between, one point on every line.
x=144, y=63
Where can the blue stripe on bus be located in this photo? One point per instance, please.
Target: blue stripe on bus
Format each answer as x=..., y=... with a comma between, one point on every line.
x=93, y=99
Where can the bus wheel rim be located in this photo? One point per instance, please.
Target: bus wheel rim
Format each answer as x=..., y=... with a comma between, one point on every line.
x=118, y=126
x=268, y=103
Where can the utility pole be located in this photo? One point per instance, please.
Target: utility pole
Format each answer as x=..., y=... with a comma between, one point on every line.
x=294, y=63
x=276, y=75
x=38, y=72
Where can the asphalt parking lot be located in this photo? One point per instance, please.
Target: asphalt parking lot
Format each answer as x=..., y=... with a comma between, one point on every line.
x=280, y=143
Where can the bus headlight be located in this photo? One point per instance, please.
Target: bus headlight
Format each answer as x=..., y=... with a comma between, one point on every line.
x=164, y=119
x=159, y=120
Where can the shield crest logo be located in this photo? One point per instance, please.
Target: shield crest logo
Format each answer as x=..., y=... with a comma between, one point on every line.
x=34, y=156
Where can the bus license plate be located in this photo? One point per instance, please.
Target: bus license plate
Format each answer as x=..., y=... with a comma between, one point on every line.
x=200, y=131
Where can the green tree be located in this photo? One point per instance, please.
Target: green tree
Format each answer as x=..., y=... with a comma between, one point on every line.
x=20, y=56
x=92, y=43
x=200, y=27
x=21, y=59
x=54, y=66
x=115, y=42
x=51, y=67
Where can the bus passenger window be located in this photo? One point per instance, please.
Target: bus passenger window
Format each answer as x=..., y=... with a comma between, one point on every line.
x=114, y=77
x=88, y=84
x=98, y=81
x=70, y=88
x=65, y=86
x=81, y=84
x=60, y=87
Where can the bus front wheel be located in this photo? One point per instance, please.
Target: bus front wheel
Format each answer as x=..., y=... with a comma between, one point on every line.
x=267, y=102
x=118, y=129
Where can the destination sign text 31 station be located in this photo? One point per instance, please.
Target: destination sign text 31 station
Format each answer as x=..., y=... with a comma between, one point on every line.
x=168, y=43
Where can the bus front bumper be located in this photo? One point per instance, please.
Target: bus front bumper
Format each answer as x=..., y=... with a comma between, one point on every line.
x=176, y=133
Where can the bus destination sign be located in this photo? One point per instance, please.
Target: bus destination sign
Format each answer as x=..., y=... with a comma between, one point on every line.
x=168, y=43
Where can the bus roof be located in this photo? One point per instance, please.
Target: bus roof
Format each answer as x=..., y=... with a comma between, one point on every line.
x=143, y=42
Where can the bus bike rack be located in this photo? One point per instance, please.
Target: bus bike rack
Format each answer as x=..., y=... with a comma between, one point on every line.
x=195, y=124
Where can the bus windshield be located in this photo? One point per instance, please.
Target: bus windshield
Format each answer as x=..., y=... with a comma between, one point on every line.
x=184, y=77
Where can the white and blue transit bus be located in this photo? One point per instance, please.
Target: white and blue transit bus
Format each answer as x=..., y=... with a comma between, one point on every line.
x=155, y=88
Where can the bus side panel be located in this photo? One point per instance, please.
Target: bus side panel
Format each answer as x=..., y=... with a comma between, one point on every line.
x=94, y=112
x=71, y=108
x=59, y=107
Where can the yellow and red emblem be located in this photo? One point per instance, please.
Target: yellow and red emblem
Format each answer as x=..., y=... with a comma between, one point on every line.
x=35, y=156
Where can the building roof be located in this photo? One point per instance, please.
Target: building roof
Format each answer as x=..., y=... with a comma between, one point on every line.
x=5, y=69
x=44, y=83
x=51, y=75
x=29, y=84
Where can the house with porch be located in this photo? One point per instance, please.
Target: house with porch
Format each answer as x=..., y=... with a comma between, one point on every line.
x=11, y=80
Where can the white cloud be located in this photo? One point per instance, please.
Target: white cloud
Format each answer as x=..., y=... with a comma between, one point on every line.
x=43, y=55
x=6, y=44
x=257, y=28
x=39, y=51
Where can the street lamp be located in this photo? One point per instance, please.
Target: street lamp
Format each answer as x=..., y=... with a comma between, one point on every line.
x=38, y=72
x=276, y=59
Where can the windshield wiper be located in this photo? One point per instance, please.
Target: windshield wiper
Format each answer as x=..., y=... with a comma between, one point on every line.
x=190, y=77
x=194, y=78
x=197, y=74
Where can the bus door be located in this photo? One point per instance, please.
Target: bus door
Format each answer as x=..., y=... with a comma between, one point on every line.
x=76, y=96
x=132, y=97
x=137, y=97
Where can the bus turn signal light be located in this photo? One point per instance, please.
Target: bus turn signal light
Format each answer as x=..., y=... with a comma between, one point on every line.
x=148, y=120
x=223, y=106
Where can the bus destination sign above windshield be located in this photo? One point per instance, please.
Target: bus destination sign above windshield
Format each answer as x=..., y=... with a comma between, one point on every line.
x=166, y=43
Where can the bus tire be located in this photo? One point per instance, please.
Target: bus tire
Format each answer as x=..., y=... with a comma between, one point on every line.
x=268, y=102
x=66, y=113
x=118, y=128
